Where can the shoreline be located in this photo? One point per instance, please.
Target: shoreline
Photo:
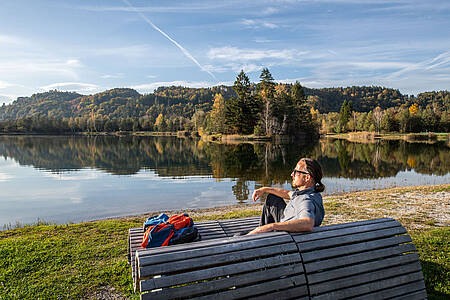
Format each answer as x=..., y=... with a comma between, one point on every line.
x=419, y=207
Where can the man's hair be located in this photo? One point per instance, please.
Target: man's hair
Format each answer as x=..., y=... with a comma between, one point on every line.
x=315, y=170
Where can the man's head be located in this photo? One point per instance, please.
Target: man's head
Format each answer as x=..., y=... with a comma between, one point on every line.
x=308, y=173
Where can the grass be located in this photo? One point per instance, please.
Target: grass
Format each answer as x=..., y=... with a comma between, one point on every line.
x=83, y=260
x=434, y=248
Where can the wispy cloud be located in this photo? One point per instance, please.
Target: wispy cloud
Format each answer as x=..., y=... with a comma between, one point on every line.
x=429, y=64
x=72, y=86
x=41, y=67
x=150, y=87
x=185, y=52
x=4, y=84
x=11, y=40
x=112, y=76
x=237, y=54
x=256, y=24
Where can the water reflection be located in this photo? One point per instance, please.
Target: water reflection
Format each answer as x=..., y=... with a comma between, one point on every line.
x=265, y=163
x=64, y=179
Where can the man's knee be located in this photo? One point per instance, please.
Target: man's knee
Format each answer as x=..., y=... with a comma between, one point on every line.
x=273, y=200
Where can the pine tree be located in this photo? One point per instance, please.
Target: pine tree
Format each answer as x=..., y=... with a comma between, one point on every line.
x=241, y=112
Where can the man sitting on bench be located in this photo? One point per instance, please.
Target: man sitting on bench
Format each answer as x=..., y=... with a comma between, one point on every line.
x=305, y=208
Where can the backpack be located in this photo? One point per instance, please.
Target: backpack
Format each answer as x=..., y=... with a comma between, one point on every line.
x=164, y=231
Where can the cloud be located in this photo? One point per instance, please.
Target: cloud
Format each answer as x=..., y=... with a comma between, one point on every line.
x=256, y=24
x=4, y=84
x=150, y=87
x=112, y=76
x=72, y=86
x=40, y=67
x=270, y=11
x=11, y=40
x=236, y=54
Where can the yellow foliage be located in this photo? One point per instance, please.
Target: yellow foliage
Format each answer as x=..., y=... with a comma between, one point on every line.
x=413, y=109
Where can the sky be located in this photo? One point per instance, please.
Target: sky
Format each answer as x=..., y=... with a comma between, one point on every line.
x=91, y=46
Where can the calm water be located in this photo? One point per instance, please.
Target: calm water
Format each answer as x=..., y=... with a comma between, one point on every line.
x=72, y=179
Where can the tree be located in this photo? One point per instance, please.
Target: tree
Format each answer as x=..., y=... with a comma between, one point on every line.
x=266, y=92
x=344, y=116
x=301, y=112
x=161, y=123
x=216, y=117
x=241, y=112
x=377, y=117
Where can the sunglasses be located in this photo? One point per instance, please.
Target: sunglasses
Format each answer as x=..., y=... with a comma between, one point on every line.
x=297, y=171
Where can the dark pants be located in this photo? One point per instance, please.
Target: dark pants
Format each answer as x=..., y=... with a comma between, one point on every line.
x=272, y=211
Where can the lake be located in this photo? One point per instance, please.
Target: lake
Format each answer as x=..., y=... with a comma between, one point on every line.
x=61, y=179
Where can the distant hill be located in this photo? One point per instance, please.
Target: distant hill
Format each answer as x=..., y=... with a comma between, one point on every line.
x=182, y=101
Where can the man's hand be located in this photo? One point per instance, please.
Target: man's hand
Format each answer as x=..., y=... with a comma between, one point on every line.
x=257, y=194
x=261, y=229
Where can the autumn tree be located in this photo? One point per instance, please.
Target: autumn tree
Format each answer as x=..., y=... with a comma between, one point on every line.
x=266, y=93
x=216, y=117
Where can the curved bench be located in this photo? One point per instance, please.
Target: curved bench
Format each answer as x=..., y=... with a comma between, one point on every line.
x=372, y=259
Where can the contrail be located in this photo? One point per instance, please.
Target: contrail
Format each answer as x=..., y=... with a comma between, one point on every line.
x=188, y=55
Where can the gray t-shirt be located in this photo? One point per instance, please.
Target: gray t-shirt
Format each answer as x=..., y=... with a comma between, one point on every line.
x=305, y=203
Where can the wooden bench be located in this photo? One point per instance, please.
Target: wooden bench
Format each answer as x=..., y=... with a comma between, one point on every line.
x=208, y=230
x=372, y=259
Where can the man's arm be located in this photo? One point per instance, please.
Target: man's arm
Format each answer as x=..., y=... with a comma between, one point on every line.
x=299, y=225
x=271, y=190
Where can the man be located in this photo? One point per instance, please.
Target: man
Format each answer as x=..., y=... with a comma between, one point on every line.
x=305, y=208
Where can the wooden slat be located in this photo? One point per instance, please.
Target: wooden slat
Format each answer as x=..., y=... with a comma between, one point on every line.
x=355, y=248
x=413, y=296
x=202, y=248
x=357, y=258
x=172, y=280
x=344, y=231
x=344, y=225
x=230, y=282
x=387, y=293
x=346, y=282
x=362, y=268
x=212, y=260
x=258, y=289
x=350, y=239
x=240, y=221
x=297, y=293
x=370, y=287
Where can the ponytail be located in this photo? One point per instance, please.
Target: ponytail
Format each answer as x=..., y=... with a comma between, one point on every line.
x=319, y=187
x=315, y=170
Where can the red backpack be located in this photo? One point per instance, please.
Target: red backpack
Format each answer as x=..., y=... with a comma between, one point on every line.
x=160, y=234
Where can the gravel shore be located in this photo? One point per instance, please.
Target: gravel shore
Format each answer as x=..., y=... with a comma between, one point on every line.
x=416, y=207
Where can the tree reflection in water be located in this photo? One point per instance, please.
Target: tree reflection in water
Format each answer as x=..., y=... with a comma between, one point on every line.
x=263, y=163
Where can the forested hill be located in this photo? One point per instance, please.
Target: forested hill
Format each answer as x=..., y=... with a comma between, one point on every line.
x=183, y=102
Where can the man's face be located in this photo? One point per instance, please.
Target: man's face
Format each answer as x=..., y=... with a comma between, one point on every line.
x=300, y=179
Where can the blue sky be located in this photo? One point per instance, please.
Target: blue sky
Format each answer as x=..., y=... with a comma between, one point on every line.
x=91, y=46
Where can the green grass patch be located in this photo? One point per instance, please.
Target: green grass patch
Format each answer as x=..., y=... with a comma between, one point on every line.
x=78, y=260
x=434, y=248
x=64, y=261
